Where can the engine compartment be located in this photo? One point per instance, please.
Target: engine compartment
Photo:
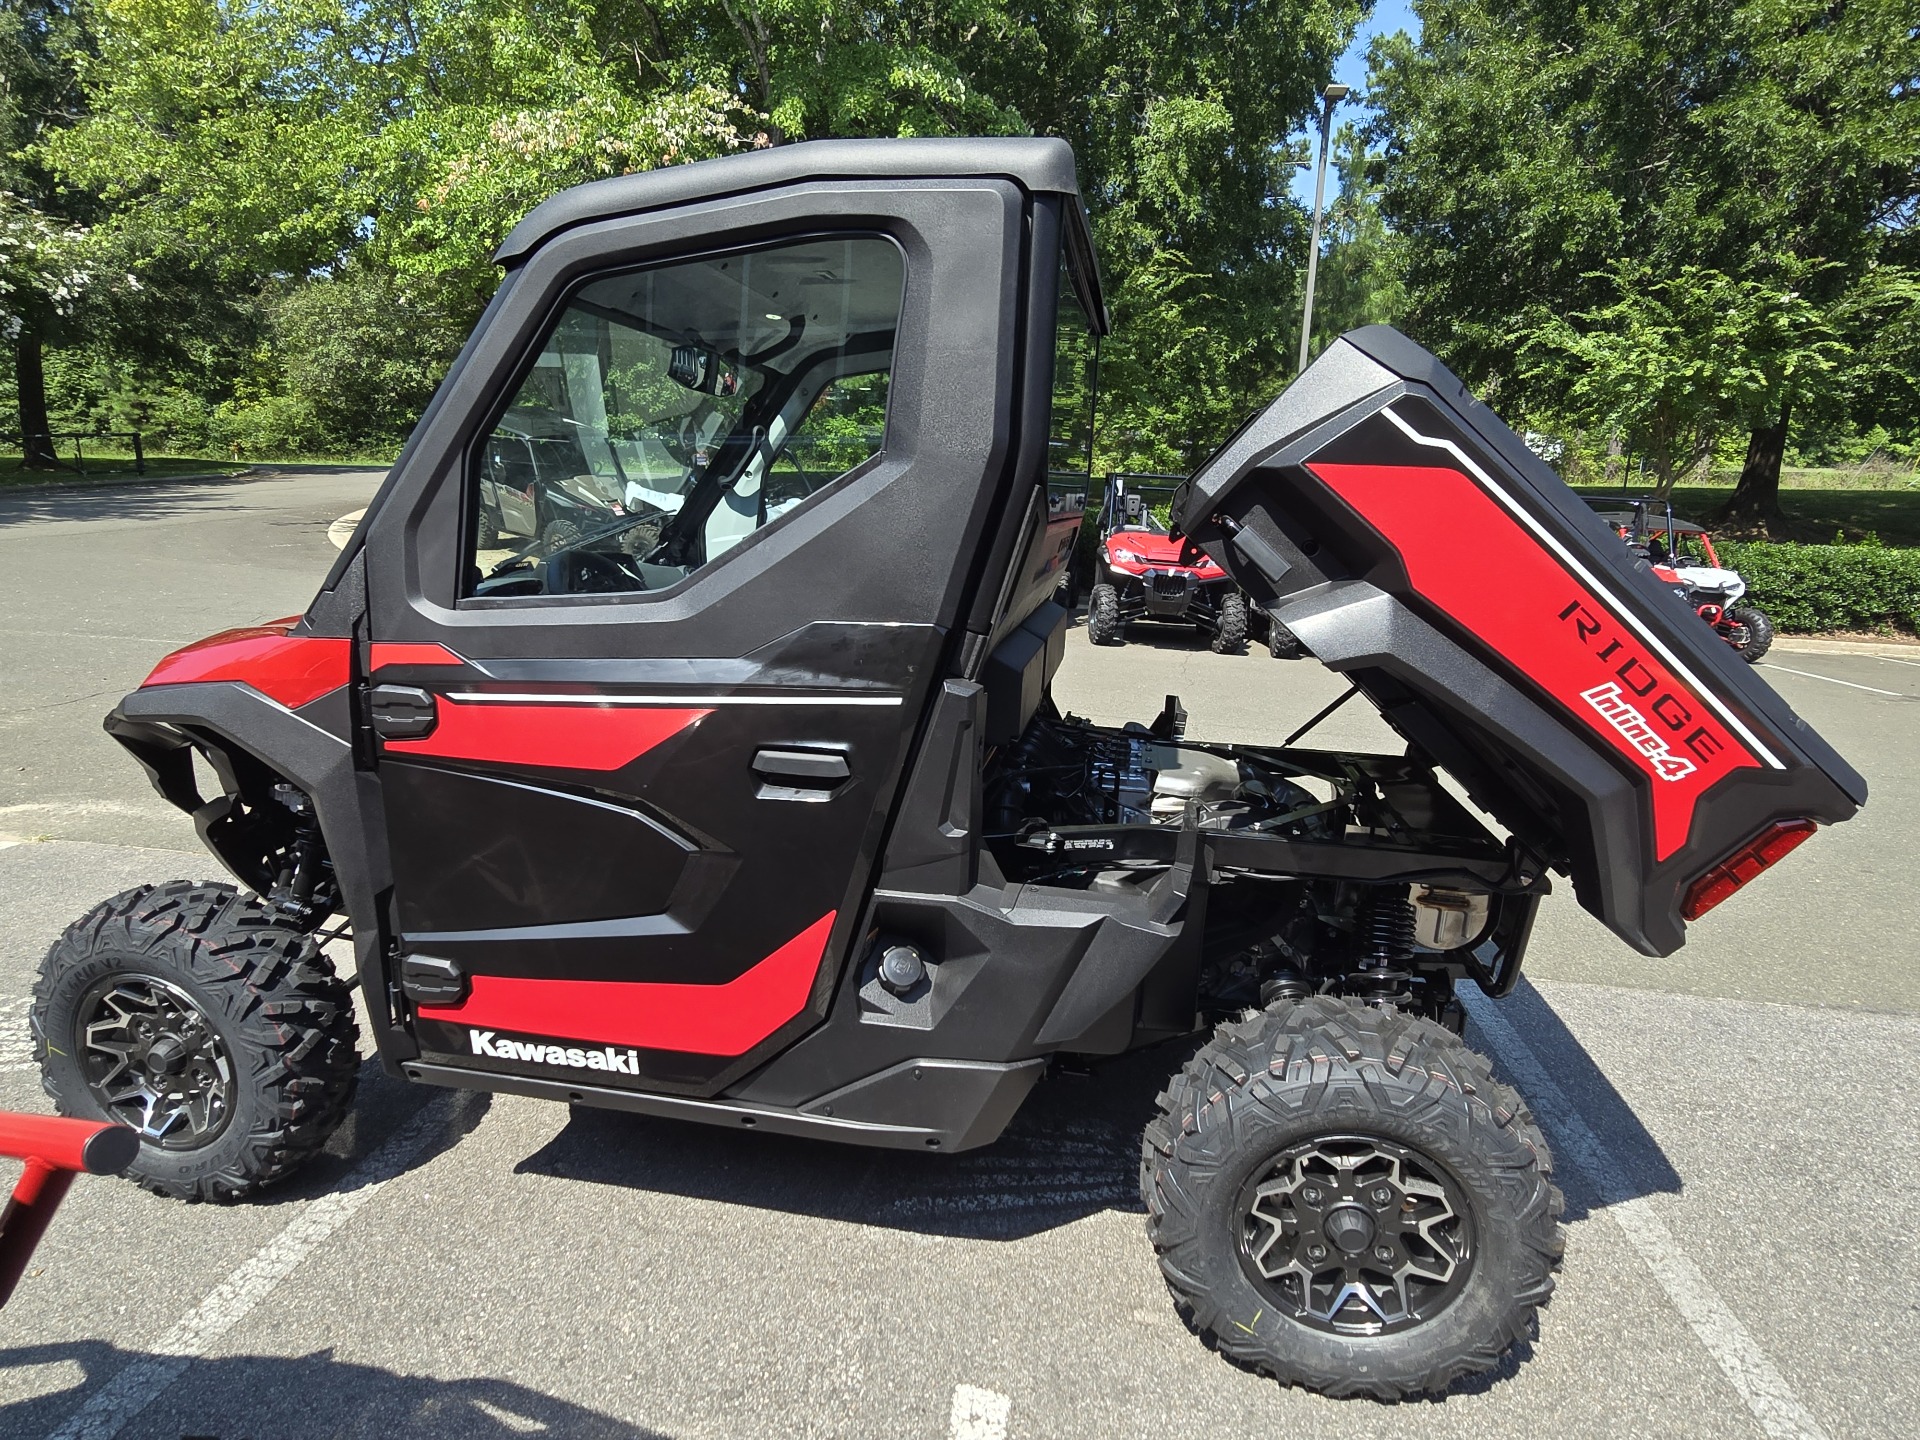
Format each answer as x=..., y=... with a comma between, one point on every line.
x=1324, y=873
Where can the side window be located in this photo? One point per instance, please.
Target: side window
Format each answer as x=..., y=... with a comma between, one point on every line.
x=673, y=411
x=1075, y=371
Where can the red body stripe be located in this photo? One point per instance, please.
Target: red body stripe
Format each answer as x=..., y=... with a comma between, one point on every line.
x=1445, y=527
x=292, y=670
x=564, y=737
x=390, y=652
x=727, y=1019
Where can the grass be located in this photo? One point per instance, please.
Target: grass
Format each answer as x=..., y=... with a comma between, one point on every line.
x=108, y=467
x=1820, y=504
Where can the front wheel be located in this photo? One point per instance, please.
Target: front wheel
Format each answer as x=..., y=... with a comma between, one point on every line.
x=1759, y=632
x=206, y=1022
x=1103, y=615
x=1344, y=1198
x=1230, y=634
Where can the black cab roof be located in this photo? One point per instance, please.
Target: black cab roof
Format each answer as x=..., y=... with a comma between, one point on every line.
x=1037, y=164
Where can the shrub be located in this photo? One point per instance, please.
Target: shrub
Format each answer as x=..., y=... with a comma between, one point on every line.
x=1811, y=588
x=273, y=427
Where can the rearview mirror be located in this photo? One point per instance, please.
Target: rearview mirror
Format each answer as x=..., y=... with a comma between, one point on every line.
x=702, y=370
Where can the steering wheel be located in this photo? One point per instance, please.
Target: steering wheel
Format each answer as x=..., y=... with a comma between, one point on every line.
x=587, y=572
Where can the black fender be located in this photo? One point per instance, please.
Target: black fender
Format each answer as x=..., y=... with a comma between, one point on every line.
x=233, y=726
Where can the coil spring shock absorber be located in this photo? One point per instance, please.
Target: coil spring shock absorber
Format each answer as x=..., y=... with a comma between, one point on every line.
x=1384, y=978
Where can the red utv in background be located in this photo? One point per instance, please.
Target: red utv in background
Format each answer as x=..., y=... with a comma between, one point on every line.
x=1681, y=554
x=1143, y=573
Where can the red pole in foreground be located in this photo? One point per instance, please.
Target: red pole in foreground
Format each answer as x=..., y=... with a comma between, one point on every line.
x=55, y=1150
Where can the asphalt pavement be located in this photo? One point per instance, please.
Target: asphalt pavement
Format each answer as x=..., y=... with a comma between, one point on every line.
x=1734, y=1127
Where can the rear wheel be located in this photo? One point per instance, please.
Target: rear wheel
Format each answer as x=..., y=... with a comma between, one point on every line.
x=1344, y=1198
x=206, y=1022
x=1282, y=643
x=1103, y=615
x=1230, y=635
x=487, y=534
x=558, y=534
x=1759, y=632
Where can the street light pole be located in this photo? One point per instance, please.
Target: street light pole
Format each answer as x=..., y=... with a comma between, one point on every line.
x=1332, y=96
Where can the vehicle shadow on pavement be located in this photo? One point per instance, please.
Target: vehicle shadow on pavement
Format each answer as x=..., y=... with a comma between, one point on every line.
x=1644, y=1168
x=383, y=1108
x=146, y=500
x=1073, y=1150
x=258, y=1395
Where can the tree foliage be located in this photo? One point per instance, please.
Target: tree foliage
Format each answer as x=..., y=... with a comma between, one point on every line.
x=1673, y=361
x=1535, y=147
x=308, y=144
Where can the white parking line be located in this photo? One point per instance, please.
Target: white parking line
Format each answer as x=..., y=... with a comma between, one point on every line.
x=122, y=1398
x=342, y=529
x=1768, y=1395
x=1891, y=660
x=978, y=1414
x=1873, y=689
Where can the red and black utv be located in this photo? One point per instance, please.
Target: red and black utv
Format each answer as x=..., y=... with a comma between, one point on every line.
x=752, y=806
x=1147, y=574
x=1681, y=555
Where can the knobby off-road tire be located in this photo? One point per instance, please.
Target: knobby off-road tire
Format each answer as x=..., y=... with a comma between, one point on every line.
x=487, y=532
x=1242, y=1177
x=1282, y=643
x=1759, y=632
x=1103, y=616
x=1230, y=635
x=238, y=1040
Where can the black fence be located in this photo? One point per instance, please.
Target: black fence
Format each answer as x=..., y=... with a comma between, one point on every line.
x=53, y=443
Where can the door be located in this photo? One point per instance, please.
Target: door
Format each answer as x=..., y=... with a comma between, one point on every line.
x=636, y=768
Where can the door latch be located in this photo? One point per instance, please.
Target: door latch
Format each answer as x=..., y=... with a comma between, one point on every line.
x=401, y=712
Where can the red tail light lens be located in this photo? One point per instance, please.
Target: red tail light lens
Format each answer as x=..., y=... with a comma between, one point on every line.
x=1758, y=854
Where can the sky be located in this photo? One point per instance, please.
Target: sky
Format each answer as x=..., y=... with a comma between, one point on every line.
x=1351, y=69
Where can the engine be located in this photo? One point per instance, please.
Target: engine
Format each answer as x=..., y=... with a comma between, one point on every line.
x=1067, y=772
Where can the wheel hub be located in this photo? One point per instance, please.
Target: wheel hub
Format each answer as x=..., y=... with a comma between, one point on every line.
x=1349, y=1228
x=166, y=1055
x=153, y=1061
x=1355, y=1235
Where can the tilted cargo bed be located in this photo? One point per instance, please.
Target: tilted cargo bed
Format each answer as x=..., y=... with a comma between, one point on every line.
x=1414, y=543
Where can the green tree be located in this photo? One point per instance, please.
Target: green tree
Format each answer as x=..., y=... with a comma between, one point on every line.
x=1531, y=146
x=1672, y=361
x=308, y=137
x=44, y=265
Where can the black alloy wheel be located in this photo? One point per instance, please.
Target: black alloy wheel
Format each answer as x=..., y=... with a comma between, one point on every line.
x=1356, y=1235
x=208, y=1022
x=153, y=1060
x=1344, y=1197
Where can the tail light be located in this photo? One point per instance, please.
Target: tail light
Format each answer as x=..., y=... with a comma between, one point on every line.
x=1758, y=854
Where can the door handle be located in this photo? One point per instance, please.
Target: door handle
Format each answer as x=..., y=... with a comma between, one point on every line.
x=402, y=712
x=822, y=767
x=799, y=774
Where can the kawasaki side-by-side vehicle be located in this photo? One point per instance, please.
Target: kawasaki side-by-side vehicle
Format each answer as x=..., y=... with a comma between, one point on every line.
x=751, y=804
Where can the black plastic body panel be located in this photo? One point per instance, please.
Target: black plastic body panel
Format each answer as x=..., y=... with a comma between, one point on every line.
x=1414, y=543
